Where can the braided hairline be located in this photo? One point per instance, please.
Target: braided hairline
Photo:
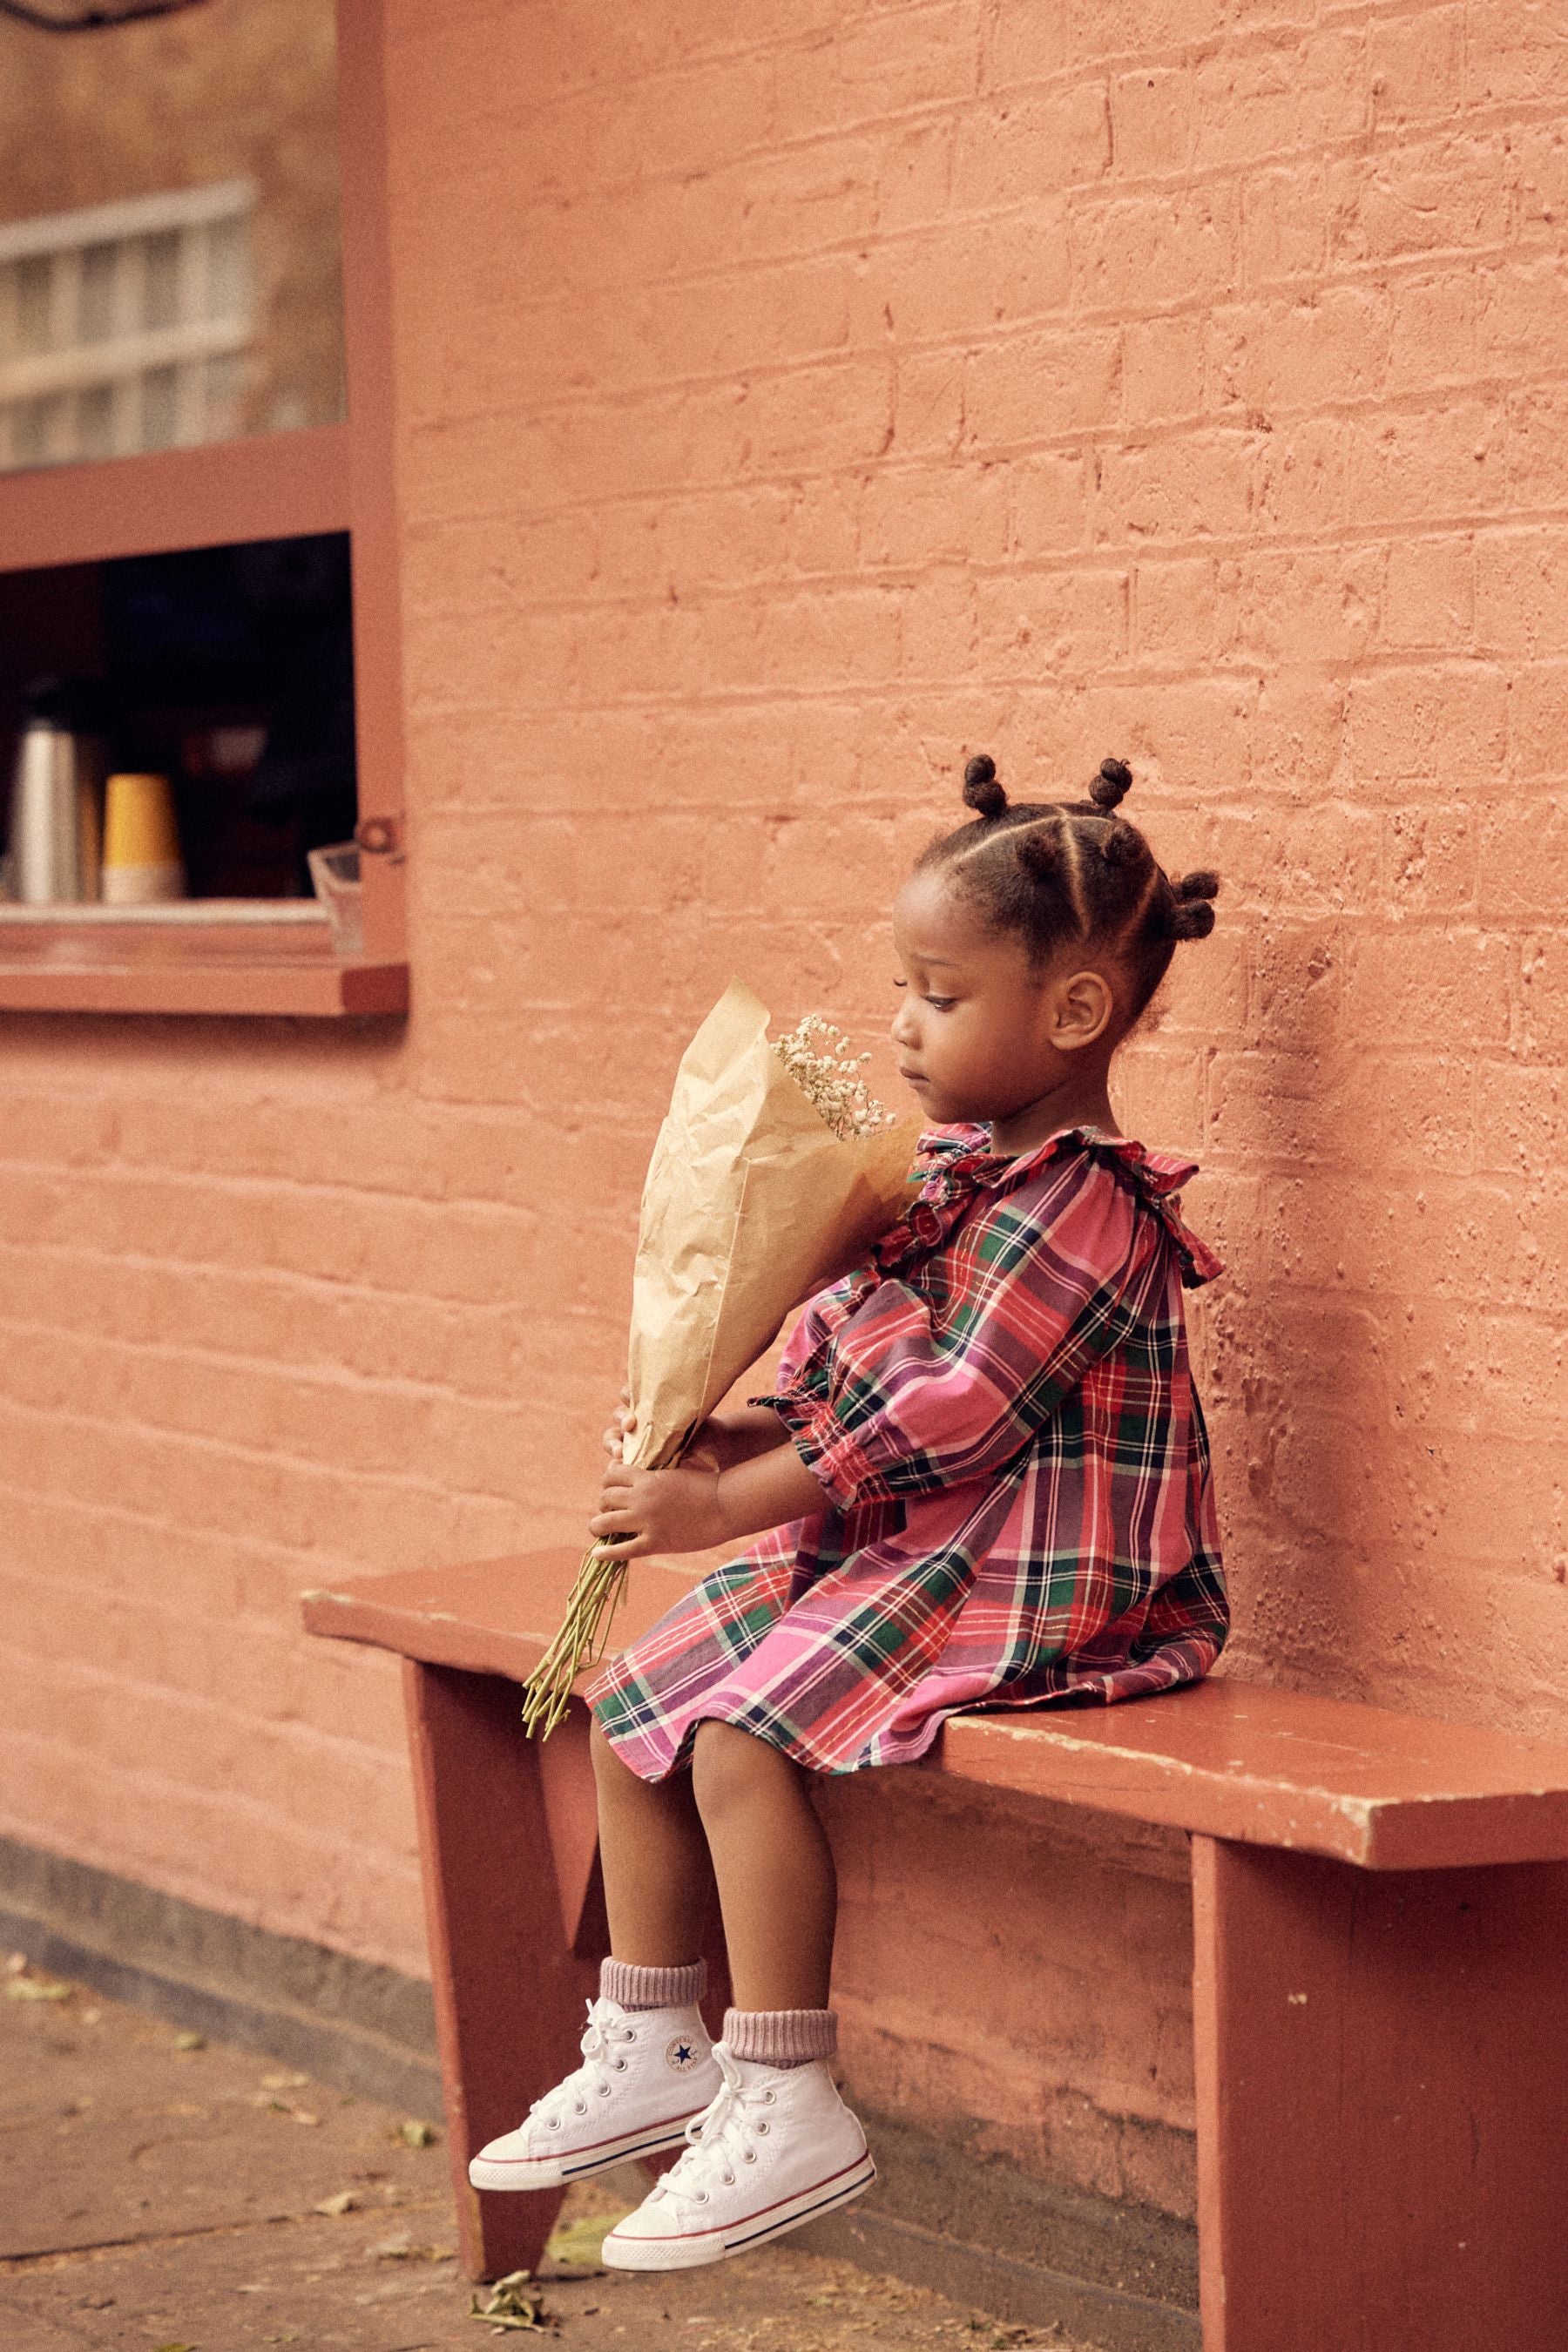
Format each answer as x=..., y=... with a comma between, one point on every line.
x=1064, y=819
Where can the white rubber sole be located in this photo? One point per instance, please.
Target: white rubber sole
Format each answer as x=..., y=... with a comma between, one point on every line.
x=523, y=2172
x=699, y=2246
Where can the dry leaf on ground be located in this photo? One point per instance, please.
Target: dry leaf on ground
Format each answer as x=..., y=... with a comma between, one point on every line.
x=515, y=2302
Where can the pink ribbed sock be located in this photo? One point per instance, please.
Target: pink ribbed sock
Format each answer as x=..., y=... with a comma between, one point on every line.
x=780, y=2037
x=636, y=1988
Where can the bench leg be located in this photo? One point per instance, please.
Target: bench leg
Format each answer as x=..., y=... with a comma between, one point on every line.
x=1382, y=2090
x=508, y=1987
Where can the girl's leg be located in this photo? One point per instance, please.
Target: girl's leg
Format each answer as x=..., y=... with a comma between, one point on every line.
x=777, y=2145
x=655, y=1860
x=774, y=1869
x=646, y=2064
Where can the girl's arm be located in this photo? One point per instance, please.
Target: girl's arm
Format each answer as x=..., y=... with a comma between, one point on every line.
x=718, y=1443
x=643, y=1511
x=726, y=1439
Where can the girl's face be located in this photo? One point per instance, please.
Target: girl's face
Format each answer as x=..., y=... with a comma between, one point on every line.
x=981, y=1036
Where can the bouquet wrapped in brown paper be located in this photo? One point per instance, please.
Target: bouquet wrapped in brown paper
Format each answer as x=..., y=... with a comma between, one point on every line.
x=772, y=1174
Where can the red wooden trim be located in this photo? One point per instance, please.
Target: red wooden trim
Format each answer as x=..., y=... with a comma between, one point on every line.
x=268, y=486
x=1226, y=1758
x=334, y=477
x=218, y=968
x=369, y=363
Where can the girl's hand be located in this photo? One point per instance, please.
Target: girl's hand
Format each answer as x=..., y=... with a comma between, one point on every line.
x=643, y=1511
x=622, y=1424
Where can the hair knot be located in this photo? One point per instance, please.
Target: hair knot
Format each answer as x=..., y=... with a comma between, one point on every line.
x=1039, y=850
x=1113, y=783
x=1192, y=916
x=1122, y=844
x=982, y=789
x=1193, y=919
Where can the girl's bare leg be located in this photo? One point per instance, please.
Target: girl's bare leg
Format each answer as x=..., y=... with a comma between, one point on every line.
x=774, y=1868
x=655, y=1859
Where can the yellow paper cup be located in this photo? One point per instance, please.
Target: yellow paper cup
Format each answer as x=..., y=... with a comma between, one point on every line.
x=142, y=859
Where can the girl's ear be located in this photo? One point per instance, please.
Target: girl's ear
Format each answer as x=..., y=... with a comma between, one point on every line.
x=1083, y=1012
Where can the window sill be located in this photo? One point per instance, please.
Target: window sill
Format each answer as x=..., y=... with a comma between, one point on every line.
x=199, y=955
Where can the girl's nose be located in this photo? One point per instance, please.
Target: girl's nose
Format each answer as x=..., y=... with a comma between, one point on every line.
x=903, y=1029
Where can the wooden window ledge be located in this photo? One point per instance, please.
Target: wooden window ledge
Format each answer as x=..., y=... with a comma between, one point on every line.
x=202, y=955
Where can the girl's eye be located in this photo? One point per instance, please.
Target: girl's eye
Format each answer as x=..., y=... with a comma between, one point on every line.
x=901, y=983
x=941, y=1003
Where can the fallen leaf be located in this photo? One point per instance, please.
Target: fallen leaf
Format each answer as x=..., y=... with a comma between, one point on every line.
x=190, y=2040
x=418, y=2134
x=34, y=1988
x=515, y=2302
x=344, y=2202
x=578, y=2245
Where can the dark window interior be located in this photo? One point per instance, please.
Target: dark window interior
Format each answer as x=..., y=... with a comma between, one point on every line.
x=229, y=669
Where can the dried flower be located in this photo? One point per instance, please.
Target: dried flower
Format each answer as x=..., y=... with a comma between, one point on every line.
x=831, y=1079
x=817, y=1057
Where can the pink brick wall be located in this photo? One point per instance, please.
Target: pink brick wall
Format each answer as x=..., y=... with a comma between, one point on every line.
x=797, y=395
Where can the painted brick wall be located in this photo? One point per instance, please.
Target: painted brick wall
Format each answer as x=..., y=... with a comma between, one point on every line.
x=797, y=395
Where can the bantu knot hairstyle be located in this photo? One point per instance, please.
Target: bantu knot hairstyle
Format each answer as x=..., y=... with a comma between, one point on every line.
x=1113, y=785
x=982, y=789
x=1192, y=917
x=1073, y=872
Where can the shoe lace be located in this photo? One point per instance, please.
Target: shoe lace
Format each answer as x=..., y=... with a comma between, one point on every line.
x=721, y=2136
x=605, y=2031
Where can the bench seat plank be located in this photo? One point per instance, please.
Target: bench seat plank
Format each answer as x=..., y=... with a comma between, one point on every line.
x=1226, y=1758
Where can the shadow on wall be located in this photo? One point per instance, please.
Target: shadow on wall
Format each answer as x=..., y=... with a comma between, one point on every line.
x=1319, y=1348
x=1018, y=1974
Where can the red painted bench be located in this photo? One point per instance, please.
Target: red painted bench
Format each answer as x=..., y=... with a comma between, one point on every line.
x=1380, y=1910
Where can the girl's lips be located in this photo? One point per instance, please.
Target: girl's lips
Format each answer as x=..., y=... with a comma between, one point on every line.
x=914, y=1078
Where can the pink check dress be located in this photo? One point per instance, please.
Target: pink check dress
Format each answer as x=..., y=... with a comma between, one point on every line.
x=1017, y=1508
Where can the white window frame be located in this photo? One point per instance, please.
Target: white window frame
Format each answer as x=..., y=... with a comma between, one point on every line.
x=121, y=362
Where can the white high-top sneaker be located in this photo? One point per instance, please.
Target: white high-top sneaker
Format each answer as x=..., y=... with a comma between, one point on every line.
x=777, y=2147
x=646, y=2075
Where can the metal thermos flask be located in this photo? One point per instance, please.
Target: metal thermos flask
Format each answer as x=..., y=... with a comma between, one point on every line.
x=55, y=823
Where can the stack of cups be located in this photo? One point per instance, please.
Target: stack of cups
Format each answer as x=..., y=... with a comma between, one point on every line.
x=142, y=859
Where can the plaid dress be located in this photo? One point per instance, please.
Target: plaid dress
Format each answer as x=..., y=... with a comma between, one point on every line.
x=1018, y=1506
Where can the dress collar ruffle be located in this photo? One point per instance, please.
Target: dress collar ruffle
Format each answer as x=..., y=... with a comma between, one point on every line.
x=955, y=1163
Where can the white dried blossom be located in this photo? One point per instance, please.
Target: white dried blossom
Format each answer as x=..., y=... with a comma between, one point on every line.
x=831, y=1080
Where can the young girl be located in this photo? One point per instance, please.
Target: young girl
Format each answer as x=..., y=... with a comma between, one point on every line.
x=985, y=1478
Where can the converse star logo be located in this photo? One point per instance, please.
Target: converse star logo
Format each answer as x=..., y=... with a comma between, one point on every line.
x=681, y=2055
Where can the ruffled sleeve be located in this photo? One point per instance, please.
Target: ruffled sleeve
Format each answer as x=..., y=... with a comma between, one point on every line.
x=921, y=1388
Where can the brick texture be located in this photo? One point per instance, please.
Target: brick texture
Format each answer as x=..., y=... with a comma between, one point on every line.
x=794, y=398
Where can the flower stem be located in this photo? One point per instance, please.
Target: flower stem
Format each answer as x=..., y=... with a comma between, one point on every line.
x=581, y=1642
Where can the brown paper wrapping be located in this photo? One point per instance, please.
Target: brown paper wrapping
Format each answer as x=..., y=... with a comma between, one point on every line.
x=752, y=1203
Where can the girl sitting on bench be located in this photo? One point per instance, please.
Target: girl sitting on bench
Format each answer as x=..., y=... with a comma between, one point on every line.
x=981, y=1481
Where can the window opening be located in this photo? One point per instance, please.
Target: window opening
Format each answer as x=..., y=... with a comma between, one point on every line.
x=123, y=326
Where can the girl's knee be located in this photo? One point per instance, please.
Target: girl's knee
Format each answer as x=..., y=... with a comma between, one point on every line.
x=729, y=1766
x=607, y=1764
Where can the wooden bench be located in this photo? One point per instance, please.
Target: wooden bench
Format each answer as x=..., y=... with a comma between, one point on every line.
x=1380, y=1913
